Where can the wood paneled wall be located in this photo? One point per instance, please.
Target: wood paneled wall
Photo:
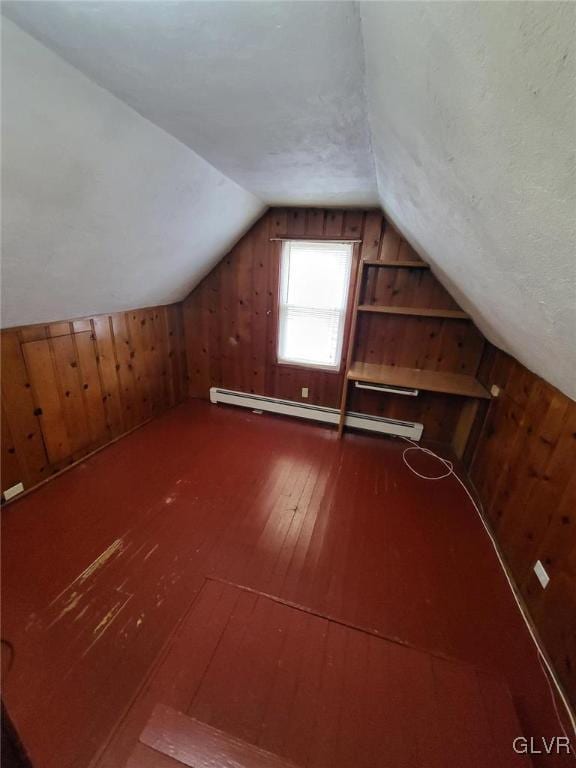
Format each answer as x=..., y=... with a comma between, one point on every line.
x=230, y=322
x=230, y=319
x=524, y=470
x=71, y=387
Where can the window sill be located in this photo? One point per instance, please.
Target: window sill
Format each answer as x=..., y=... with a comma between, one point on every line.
x=310, y=367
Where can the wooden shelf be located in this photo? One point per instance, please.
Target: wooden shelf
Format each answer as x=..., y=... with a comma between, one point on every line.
x=450, y=314
x=416, y=303
x=417, y=378
x=403, y=264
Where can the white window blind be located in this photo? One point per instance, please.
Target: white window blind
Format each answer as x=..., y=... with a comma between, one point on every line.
x=314, y=280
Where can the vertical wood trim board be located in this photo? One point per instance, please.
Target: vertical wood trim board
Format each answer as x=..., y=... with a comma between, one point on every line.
x=523, y=469
x=68, y=388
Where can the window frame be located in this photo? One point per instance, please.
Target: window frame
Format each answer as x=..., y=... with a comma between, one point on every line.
x=337, y=370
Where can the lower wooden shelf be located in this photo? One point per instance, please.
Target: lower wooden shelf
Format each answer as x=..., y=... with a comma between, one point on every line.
x=418, y=378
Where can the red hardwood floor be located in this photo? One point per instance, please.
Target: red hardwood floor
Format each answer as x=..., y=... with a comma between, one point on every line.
x=313, y=692
x=100, y=565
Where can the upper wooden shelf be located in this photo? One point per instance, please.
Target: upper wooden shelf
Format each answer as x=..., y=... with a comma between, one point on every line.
x=450, y=314
x=406, y=264
x=418, y=378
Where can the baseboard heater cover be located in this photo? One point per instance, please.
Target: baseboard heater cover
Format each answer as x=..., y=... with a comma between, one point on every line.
x=410, y=429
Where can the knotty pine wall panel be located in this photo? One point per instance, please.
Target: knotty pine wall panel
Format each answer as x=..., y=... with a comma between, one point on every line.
x=70, y=387
x=523, y=468
x=231, y=317
x=419, y=342
x=405, y=288
x=231, y=321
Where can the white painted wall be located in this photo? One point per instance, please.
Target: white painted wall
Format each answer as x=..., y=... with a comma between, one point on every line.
x=102, y=210
x=473, y=118
x=271, y=93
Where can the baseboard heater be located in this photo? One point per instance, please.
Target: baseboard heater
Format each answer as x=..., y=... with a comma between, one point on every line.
x=410, y=429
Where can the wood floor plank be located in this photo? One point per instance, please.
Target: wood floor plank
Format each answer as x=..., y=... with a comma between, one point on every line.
x=327, y=722
x=298, y=735
x=275, y=721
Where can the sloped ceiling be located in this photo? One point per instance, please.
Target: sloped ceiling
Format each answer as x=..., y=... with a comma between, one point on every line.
x=473, y=119
x=271, y=93
x=101, y=210
x=458, y=117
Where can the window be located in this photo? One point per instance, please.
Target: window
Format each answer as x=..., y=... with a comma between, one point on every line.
x=314, y=281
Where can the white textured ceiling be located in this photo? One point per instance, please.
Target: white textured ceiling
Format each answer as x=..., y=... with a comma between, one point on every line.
x=459, y=118
x=271, y=93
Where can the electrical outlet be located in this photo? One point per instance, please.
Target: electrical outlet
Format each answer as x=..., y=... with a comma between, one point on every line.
x=14, y=490
x=495, y=390
x=540, y=572
x=305, y=392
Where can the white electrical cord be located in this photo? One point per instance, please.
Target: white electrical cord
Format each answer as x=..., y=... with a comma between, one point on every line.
x=544, y=663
